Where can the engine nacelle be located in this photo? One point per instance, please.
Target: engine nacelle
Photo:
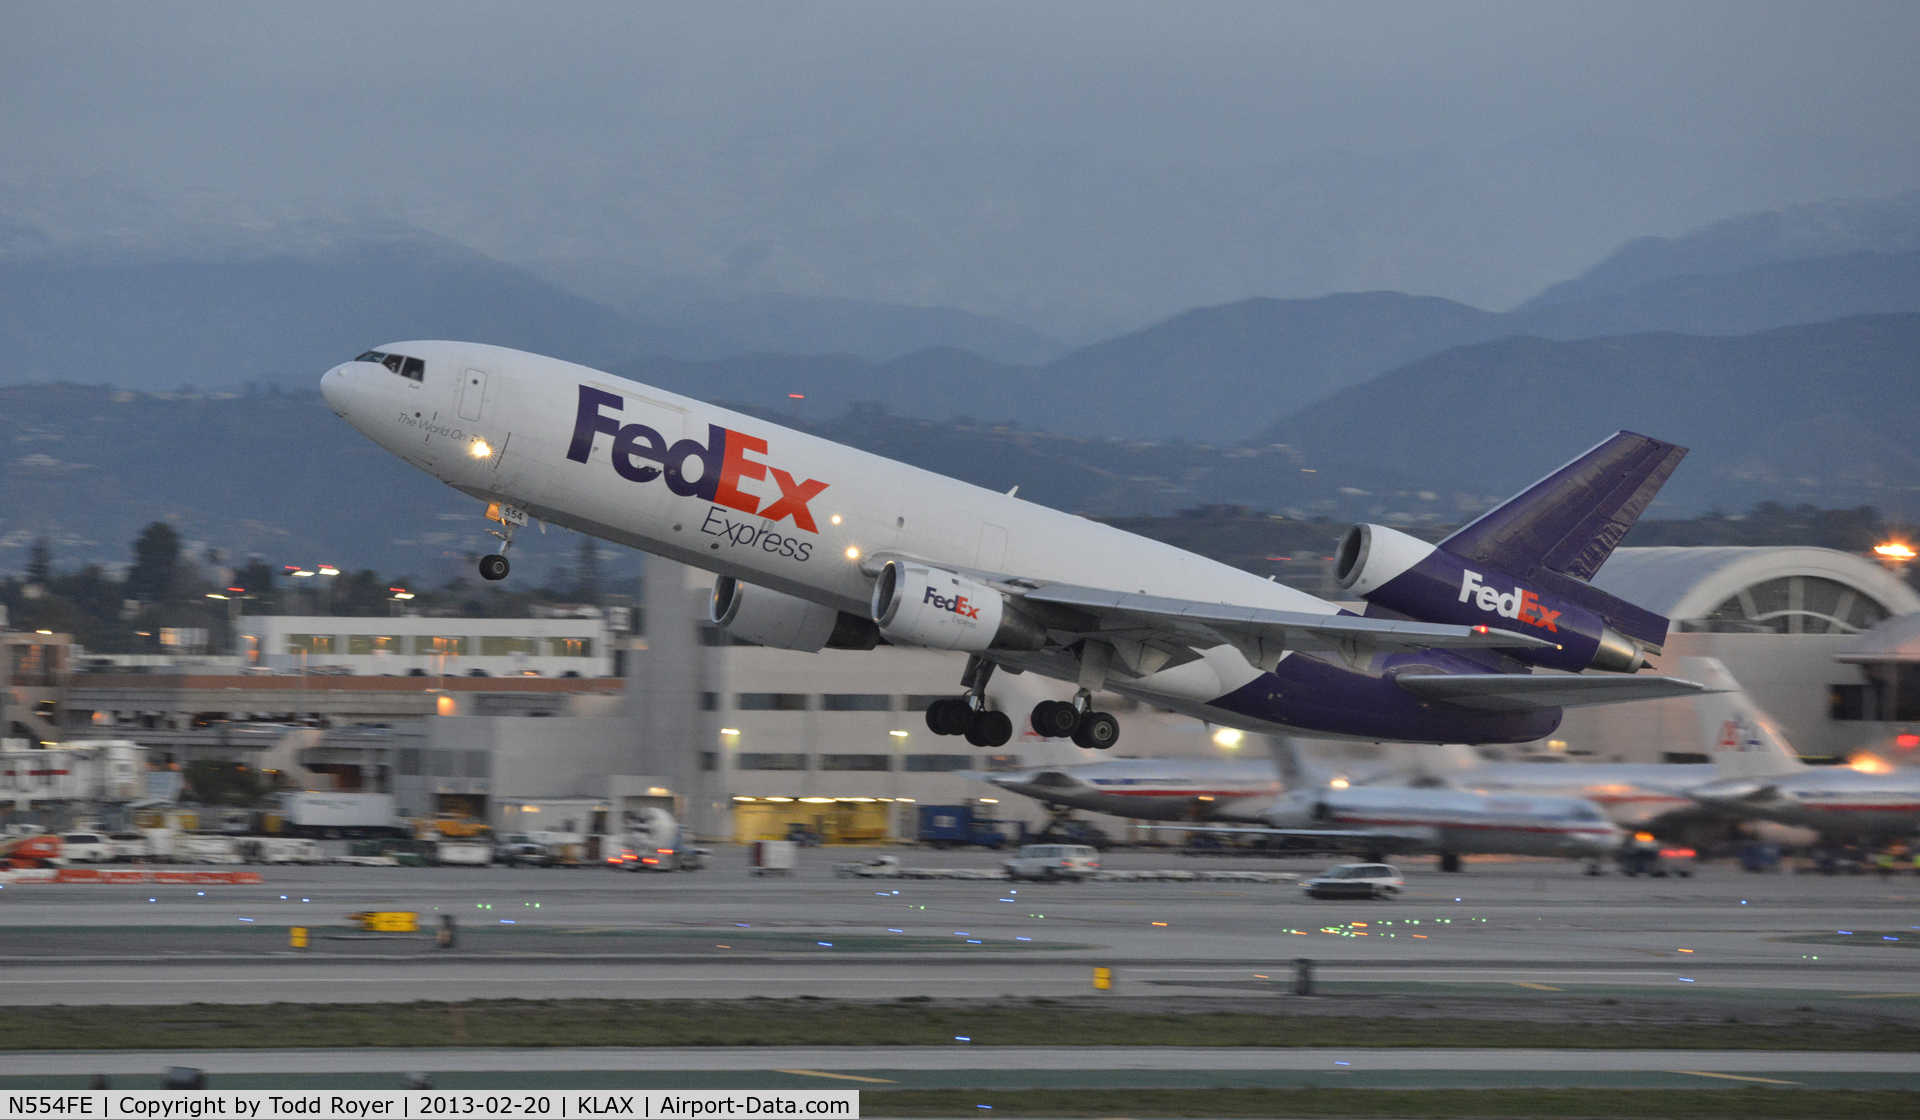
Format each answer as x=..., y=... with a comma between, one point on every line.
x=1424, y=581
x=782, y=621
x=921, y=606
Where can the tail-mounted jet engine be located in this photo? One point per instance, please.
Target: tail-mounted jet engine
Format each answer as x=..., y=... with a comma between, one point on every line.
x=773, y=618
x=915, y=605
x=1406, y=575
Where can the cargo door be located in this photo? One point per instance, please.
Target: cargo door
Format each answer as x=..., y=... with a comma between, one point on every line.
x=473, y=393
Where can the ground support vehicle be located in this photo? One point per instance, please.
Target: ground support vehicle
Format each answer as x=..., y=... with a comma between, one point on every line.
x=1053, y=861
x=774, y=857
x=951, y=826
x=1356, y=880
x=338, y=814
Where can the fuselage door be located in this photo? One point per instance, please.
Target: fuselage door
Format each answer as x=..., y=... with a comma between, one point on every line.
x=473, y=393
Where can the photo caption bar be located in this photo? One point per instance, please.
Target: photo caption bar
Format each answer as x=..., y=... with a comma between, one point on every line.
x=265, y=1104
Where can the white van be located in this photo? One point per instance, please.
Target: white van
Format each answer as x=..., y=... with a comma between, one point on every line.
x=1053, y=861
x=87, y=847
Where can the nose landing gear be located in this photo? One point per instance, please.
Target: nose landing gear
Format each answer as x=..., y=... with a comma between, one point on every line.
x=495, y=567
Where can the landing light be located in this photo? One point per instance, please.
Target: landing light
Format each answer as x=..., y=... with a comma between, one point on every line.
x=1339, y=783
x=480, y=449
x=853, y=553
x=898, y=734
x=835, y=519
x=1894, y=550
x=1869, y=764
x=1228, y=737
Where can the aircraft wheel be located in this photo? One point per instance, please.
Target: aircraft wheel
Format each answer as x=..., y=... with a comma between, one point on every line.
x=1054, y=719
x=1097, y=731
x=493, y=567
x=1449, y=861
x=990, y=729
x=949, y=717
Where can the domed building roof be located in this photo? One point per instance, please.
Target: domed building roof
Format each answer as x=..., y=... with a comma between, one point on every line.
x=1787, y=590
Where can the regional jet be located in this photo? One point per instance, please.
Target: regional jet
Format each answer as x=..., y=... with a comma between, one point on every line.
x=817, y=545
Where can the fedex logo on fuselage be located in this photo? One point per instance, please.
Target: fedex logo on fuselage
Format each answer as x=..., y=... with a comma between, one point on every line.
x=956, y=604
x=1523, y=606
x=723, y=462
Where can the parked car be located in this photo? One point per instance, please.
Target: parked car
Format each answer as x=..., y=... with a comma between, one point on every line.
x=1053, y=861
x=1356, y=880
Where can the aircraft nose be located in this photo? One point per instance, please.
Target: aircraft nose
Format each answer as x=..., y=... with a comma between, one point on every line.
x=337, y=386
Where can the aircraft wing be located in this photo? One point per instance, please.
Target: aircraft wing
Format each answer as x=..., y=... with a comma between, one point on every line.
x=1518, y=692
x=1262, y=634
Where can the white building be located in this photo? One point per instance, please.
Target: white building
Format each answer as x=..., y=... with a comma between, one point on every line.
x=433, y=647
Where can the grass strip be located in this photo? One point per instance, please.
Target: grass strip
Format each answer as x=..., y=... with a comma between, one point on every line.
x=809, y=1022
x=1652, y=1104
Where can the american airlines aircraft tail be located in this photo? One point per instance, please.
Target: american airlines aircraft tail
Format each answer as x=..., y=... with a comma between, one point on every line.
x=1744, y=742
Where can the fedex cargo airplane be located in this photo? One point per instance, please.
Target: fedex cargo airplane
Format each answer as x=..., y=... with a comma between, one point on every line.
x=817, y=545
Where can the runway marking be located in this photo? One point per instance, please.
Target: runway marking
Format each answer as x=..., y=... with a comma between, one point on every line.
x=1732, y=1077
x=837, y=1076
x=1537, y=987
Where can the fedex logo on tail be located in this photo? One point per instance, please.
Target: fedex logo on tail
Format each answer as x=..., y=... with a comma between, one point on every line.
x=956, y=604
x=1522, y=606
x=641, y=454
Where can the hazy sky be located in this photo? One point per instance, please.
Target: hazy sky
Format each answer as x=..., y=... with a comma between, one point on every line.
x=1082, y=166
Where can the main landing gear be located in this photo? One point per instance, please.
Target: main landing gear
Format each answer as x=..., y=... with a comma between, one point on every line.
x=968, y=715
x=1060, y=719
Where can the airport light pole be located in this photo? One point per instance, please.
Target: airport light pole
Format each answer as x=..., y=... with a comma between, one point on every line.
x=233, y=598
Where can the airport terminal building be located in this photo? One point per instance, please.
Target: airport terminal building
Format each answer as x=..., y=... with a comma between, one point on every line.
x=509, y=718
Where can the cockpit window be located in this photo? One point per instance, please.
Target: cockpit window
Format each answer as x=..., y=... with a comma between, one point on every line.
x=413, y=369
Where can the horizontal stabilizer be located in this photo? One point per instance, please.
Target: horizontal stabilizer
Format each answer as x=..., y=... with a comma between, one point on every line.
x=1515, y=692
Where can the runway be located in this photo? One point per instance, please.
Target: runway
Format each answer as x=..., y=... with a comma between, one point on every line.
x=983, y=1068
x=1522, y=926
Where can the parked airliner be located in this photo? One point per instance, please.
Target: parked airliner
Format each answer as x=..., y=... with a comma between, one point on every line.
x=817, y=545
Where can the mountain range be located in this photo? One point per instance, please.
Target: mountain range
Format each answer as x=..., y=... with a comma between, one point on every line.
x=1794, y=379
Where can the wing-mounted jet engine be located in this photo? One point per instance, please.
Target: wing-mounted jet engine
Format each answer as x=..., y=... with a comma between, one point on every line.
x=782, y=621
x=1524, y=566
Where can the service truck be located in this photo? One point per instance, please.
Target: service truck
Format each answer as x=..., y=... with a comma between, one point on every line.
x=337, y=814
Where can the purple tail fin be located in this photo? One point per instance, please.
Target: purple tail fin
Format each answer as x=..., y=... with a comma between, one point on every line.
x=1559, y=531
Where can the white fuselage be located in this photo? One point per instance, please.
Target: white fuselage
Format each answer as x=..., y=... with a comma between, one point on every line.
x=792, y=513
